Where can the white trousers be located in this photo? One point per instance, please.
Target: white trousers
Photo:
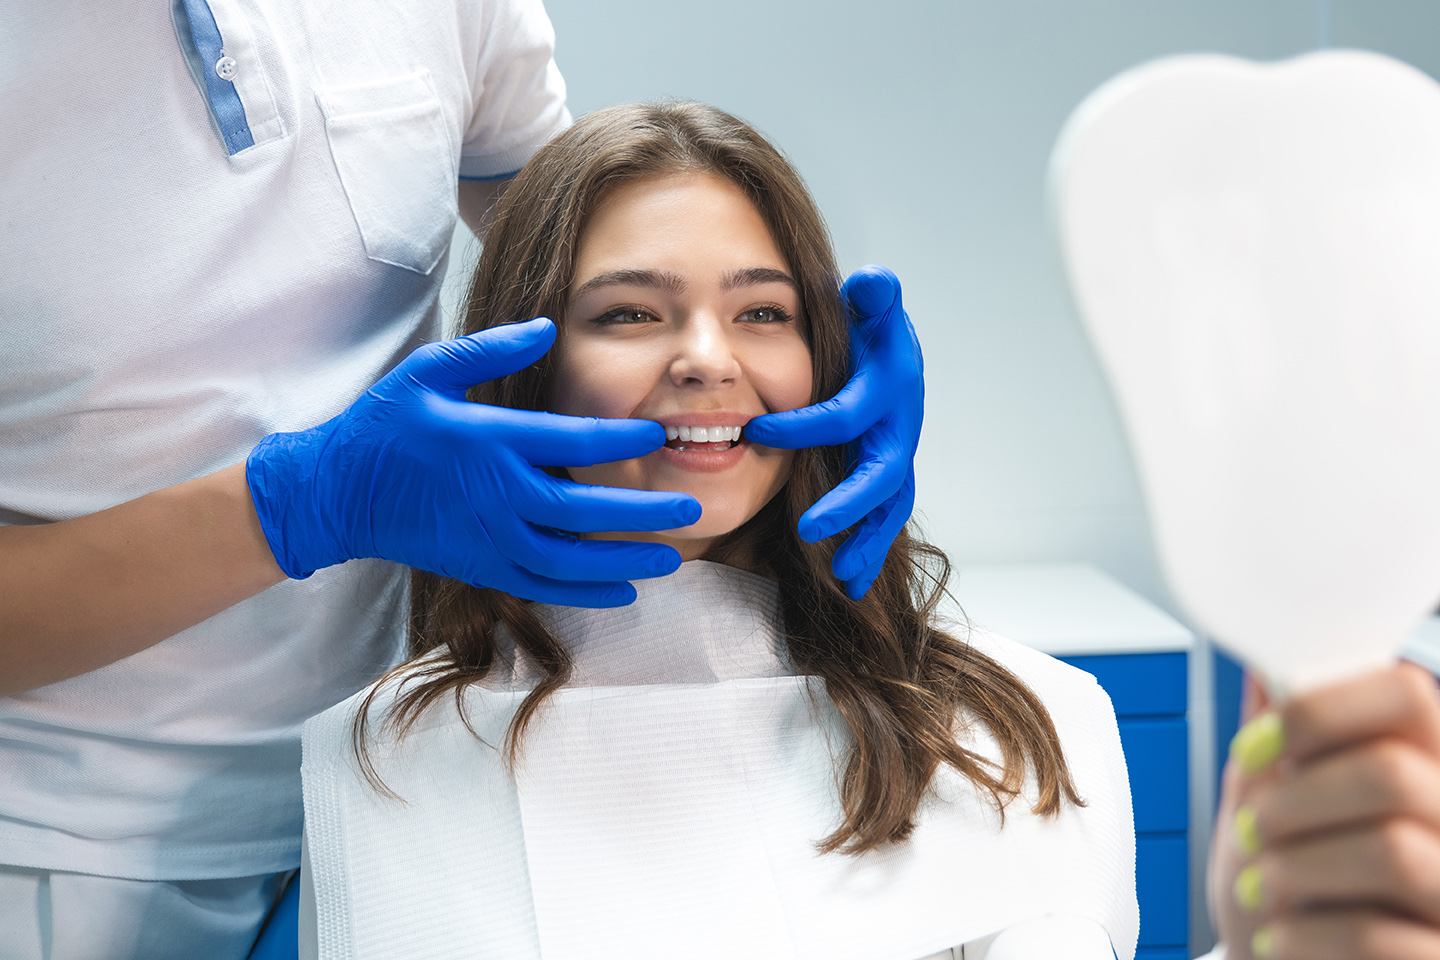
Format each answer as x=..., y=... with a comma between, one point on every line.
x=49, y=915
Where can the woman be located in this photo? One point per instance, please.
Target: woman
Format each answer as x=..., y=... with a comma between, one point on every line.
x=745, y=762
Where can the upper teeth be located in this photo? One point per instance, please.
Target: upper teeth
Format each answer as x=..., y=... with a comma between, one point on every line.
x=702, y=434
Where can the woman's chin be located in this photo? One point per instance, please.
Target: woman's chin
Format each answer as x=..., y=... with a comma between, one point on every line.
x=692, y=542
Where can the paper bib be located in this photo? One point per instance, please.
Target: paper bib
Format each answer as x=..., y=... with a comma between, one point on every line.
x=668, y=821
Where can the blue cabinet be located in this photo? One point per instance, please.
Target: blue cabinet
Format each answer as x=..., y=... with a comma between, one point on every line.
x=1139, y=684
x=1157, y=755
x=1149, y=691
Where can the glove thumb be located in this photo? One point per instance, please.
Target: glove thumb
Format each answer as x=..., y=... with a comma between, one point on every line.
x=454, y=366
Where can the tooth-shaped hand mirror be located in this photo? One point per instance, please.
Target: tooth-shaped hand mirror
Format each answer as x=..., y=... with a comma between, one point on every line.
x=1255, y=252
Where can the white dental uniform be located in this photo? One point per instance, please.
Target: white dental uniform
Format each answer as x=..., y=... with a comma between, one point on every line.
x=668, y=803
x=218, y=219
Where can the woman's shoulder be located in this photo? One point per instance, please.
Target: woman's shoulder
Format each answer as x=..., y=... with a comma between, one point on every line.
x=1068, y=692
x=1026, y=661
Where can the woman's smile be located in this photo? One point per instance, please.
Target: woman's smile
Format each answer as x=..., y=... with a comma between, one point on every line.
x=704, y=442
x=683, y=311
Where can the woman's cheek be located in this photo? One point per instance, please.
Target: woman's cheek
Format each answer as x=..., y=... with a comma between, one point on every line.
x=598, y=379
x=785, y=389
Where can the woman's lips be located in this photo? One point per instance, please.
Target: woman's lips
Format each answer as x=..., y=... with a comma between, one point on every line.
x=703, y=457
x=694, y=439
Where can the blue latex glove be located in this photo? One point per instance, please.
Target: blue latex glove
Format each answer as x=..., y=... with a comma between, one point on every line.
x=414, y=473
x=881, y=407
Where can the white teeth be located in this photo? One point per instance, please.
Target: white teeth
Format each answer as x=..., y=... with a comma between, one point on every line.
x=703, y=434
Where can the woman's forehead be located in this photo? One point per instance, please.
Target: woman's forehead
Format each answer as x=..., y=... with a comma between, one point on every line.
x=678, y=229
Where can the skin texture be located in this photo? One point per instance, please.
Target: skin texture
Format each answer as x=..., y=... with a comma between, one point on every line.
x=1347, y=826
x=686, y=325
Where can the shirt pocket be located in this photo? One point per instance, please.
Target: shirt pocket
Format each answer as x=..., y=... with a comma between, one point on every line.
x=393, y=153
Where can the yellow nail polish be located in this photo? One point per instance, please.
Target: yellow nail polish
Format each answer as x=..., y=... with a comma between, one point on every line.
x=1262, y=944
x=1258, y=743
x=1249, y=888
x=1247, y=831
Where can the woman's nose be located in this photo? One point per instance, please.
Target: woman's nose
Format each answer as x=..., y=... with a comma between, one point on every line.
x=704, y=354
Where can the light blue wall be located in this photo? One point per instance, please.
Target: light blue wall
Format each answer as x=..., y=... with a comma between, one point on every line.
x=924, y=129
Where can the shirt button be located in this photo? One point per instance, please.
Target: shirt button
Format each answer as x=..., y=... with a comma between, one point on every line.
x=225, y=68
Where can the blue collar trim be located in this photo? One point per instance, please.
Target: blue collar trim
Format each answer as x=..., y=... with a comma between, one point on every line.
x=207, y=51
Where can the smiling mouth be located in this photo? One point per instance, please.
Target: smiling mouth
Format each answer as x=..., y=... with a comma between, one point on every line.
x=703, y=438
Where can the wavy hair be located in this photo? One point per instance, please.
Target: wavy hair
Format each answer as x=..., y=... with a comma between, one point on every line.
x=904, y=687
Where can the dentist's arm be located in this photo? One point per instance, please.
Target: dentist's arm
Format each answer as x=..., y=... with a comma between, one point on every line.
x=411, y=472
x=881, y=407
x=82, y=593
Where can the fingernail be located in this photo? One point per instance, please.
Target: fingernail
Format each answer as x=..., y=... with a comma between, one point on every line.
x=1250, y=888
x=1262, y=944
x=1258, y=743
x=1247, y=831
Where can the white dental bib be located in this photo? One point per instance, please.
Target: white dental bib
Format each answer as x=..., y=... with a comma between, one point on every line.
x=668, y=804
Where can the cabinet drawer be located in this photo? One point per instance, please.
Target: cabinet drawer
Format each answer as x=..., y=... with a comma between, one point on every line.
x=1139, y=684
x=1157, y=756
x=1162, y=880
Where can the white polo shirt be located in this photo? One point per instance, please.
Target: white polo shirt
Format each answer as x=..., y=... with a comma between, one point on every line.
x=220, y=220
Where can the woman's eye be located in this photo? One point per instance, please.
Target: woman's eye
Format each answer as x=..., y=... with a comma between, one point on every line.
x=625, y=315
x=765, y=315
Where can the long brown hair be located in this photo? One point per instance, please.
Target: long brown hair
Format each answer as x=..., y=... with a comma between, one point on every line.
x=902, y=685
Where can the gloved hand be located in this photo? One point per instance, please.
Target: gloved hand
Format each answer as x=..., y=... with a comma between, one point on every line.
x=414, y=473
x=882, y=407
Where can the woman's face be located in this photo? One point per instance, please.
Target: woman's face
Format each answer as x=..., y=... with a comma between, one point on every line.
x=683, y=311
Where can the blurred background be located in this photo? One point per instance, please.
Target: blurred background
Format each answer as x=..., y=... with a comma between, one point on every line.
x=923, y=128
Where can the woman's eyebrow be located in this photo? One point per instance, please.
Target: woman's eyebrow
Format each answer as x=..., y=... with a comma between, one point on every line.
x=754, y=276
x=657, y=279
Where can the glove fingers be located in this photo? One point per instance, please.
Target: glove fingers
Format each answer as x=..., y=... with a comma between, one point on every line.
x=559, y=556
x=552, y=440
x=454, y=366
x=521, y=583
x=877, y=478
x=583, y=508
x=860, y=557
x=838, y=420
x=478, y=559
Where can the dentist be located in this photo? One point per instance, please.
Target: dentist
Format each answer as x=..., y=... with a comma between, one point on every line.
x=221, y=224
